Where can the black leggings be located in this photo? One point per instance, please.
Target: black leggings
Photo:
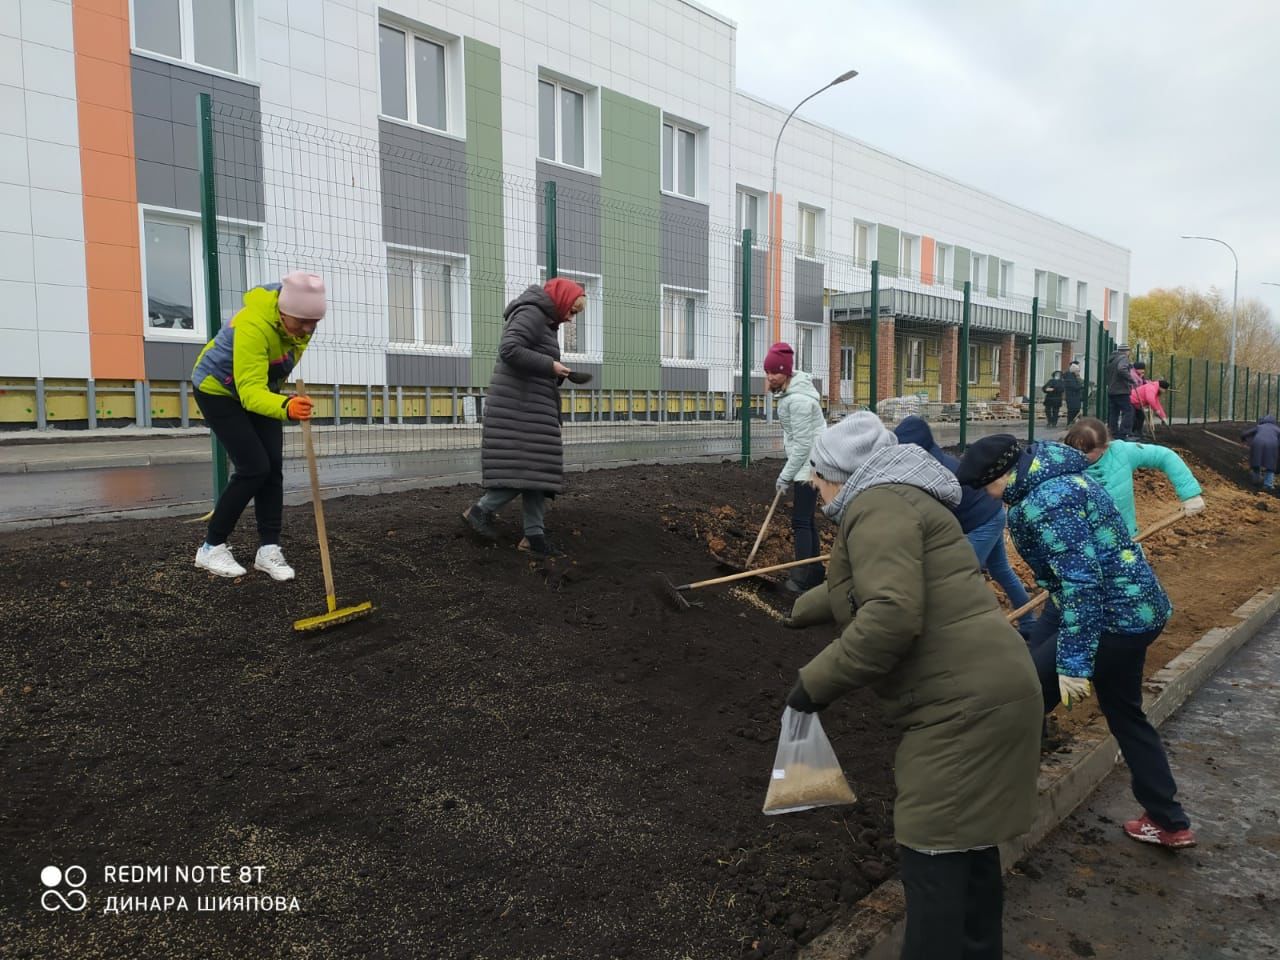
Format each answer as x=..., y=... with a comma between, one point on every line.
x=955, y=905
x=256, y=446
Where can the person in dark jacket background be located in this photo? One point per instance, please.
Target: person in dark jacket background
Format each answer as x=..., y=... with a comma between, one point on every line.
x=982, y=518
x=1053, y=393
x=1072, y=391
x=1120, y=381
x=1264, y=450
x=521, y=451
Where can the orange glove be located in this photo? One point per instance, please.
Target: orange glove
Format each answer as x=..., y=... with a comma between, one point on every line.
x=298, y=408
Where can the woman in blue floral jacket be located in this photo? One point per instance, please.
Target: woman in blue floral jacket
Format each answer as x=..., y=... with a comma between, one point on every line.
x=1110, y=603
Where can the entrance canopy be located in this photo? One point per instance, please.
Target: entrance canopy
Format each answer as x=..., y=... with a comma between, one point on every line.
x=948, y=311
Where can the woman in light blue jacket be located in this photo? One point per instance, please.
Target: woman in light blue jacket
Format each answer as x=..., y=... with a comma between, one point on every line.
x=799, y=410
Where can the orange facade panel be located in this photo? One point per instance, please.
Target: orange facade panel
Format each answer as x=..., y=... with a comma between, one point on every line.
x=928, y=251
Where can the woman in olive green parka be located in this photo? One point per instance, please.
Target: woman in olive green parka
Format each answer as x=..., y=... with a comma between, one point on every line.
x=920, y=627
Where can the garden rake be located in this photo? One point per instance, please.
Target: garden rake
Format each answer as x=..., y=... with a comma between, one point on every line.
x=335, y=614
x=673, y=596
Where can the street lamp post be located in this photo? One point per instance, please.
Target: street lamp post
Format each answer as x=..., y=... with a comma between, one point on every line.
x=1235, y=289
x=775, y=227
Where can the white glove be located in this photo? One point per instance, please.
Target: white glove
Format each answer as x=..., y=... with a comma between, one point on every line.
x=1193, y=505
x=1074, y=690
x=782, y=485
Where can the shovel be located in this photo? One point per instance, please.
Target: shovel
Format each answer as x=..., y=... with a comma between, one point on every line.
x=674, y=596
x=335, y=614
x=1036, y=602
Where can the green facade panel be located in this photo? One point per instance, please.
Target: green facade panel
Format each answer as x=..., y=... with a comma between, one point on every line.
x=993, y=276
x=630, y=242
x=963, y=267
x=486, y=243
x=888, y=245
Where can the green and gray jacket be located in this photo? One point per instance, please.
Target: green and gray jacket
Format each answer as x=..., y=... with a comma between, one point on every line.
x=920, y=627
x=800, y=412
x=251, y=356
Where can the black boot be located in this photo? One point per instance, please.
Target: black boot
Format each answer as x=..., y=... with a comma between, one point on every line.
x=540, y=546
x=480, y=522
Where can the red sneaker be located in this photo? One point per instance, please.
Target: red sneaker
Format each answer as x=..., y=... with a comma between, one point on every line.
x=1146, y=830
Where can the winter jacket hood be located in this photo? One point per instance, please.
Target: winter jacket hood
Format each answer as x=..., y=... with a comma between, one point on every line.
x=534, y=296
x=903, y=463
x=1114, y=470
x=800, y=412
x=976, y=506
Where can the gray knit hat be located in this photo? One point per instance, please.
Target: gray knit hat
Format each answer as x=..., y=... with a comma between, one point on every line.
x=845, y=446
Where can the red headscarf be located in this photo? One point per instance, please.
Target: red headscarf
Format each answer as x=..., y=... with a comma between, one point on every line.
x=564, y=294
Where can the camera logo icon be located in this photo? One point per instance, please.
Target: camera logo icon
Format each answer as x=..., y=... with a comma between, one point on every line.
x=53, y=898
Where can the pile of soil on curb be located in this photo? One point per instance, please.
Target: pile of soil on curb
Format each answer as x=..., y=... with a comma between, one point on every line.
x=508, y=759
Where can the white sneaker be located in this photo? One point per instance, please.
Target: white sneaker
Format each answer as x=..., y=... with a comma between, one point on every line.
x=270, y=560
x=218, y=560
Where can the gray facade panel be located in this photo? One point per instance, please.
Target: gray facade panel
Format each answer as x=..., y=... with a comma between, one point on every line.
x=167, y=139
x=808, y=291
x=684, y=378
x=759, y=272
x=424, y=188
x=685, y=238
x=427, y=370
x=169, y=361
x=577, y=218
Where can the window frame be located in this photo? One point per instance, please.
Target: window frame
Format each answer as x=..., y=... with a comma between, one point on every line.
x=759, y=322
x=454, y=86
x=1082, y=297
x=459, y=302
x=806, y=251
x=678, y=127
x=909, y=255
x=1006, y=278
x=872, y=252
x=944, y=265
x=975, y=362
x=593, y=330
x=253, y=269
x=915, y=353
x=758, y=234
x=670, y=294
x=815, y=330
x=244, y=19
x=590, y=125
x=977, y=272
x=1063, y=292
x=995, y=363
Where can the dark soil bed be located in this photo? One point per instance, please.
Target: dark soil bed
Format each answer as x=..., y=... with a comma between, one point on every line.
x=508, y=759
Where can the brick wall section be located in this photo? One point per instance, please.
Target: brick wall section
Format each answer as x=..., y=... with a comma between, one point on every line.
x=1008, y=388
x=833, y=364
x=1068, y=354
x=949, y=364
x=886, y=356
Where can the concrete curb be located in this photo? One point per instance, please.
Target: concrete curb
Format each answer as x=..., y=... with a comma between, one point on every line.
x=875, y=930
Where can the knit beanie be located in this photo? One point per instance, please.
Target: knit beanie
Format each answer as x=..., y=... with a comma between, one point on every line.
x=564, y=293
x=845, y=446
x=988, y=459
x=302, y=296
x=780, y=359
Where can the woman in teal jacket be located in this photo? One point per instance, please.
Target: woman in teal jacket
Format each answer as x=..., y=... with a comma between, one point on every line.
x=1112, y=463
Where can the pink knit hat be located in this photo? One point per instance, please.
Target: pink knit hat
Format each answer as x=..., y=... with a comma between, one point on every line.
x=302, y=296
x=780, y=359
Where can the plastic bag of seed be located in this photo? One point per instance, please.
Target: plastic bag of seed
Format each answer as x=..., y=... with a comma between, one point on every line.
x=806, y=773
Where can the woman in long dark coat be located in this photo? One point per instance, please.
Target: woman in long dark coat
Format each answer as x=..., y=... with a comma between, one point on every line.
x=1264, y=450
x=521, y=452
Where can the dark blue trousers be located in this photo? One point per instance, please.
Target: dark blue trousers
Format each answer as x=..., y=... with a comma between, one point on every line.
x=804, y=533
x=1117, y=680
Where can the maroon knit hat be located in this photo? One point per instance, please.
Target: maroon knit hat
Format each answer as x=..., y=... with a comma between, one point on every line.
x=780, y=359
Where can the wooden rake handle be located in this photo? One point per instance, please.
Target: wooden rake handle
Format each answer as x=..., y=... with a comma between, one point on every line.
x=755, y=573
x=763, y=527
x=309, y=446
x=1036, y=602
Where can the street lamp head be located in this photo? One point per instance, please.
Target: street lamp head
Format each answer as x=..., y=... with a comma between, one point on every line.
x=847, y=75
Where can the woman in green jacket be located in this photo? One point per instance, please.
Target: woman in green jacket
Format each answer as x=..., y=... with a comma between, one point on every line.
x=919, y=626
x=237, y=377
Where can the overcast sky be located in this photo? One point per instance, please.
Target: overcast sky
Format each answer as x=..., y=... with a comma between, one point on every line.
x=1135, y=121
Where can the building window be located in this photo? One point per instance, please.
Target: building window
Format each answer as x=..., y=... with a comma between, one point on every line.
x=1006, y=277
x=173, y=257
x=1113, y=314
x=978, y=272
x=995, y=364
x=808, y=344
x=1057, y=360
x=915, y=360
x=1082, y=296
x=848, y=363
x=1064, y=293
x=562, y=124
x=683, y=313
x=810, y=229
x=426, y=300
x=910, y=265
x=1042, y=287
x=864, y=242
x=759, y=341
x=750, y=205
x=413, y=73
x=944, y=263
x=679, y=160
x=974, y=355
x=203, y=32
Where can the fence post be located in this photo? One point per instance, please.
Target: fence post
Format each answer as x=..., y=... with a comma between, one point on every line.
x=550, y=218
x=91, y=396
x=1101, y=394
x=1190, y=379
x=873, y=389
x=1031, y=376
x=1205, y=419
x=42, y=407
x=212, y=290
x=964, y=364
x=1088, y=370
x=746, y=348
x=1222, y=379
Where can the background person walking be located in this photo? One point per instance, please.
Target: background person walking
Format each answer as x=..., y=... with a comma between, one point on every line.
x=1053, y=390
x=237, y=379
x=1120, y=380
x=521, y=452
x=1072, y=391
x=800, y=411
x=1264, y=450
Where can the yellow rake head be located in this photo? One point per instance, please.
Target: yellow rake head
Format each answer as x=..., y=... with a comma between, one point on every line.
x=333, y=616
